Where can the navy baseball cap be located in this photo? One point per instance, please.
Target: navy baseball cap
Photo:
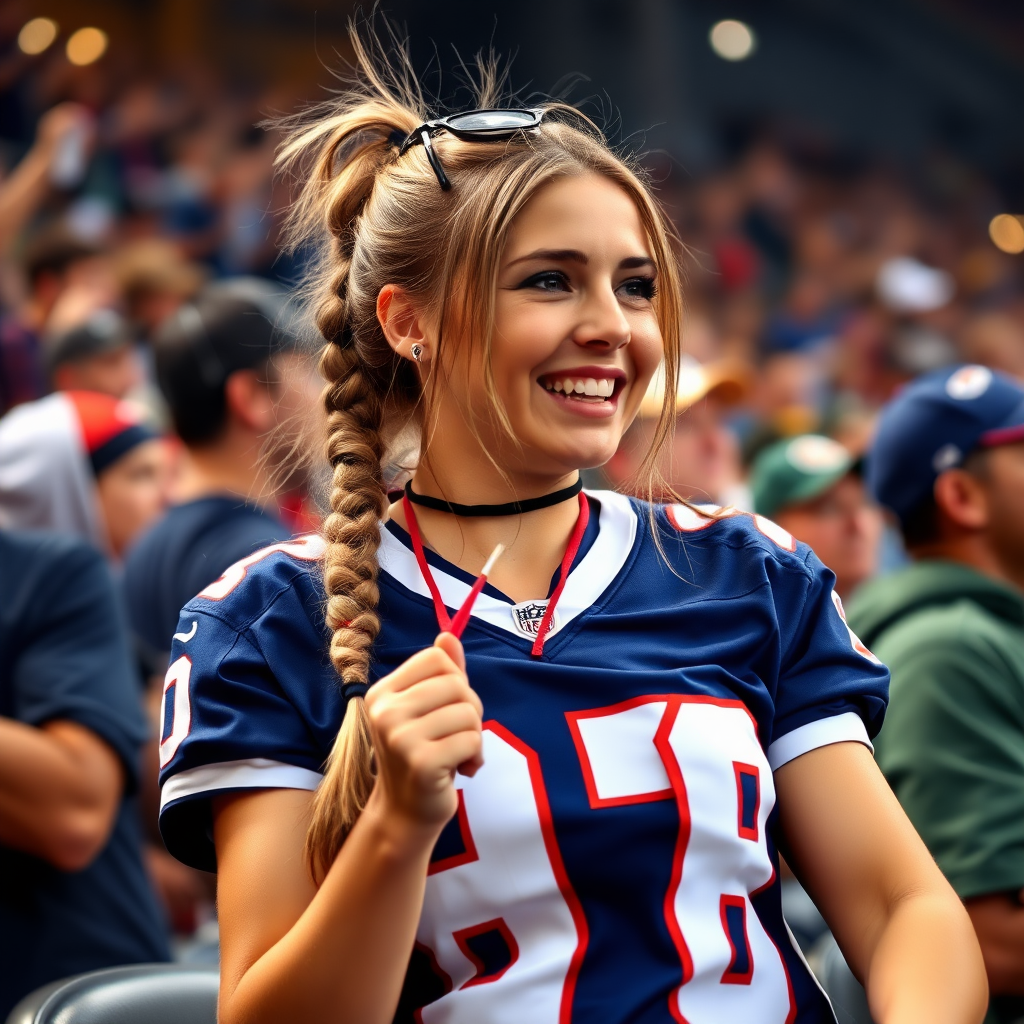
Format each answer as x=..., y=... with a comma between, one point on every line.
x=933, y=424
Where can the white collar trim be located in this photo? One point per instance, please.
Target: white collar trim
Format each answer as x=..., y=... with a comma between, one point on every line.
x=586, y=583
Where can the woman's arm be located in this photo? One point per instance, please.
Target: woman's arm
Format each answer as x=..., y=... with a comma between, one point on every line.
x=292, y=952
x=899, y=924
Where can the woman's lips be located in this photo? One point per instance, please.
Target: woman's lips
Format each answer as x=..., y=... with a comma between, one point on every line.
x=584, y=395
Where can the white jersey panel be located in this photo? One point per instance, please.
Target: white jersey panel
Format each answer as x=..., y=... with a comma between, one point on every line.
x=705, y=754
x=512, y=884
x=721, y=869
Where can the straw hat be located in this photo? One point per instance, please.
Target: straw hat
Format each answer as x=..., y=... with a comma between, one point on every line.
x=727, y=379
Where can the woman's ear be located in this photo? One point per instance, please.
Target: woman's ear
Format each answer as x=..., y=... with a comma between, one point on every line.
x=404, y=324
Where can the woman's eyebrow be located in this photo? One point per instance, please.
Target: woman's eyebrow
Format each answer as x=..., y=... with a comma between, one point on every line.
x=633, y=262
x=554, y=255
x=575, y=256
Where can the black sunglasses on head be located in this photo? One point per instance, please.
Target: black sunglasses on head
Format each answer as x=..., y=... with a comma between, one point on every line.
x=472, y=126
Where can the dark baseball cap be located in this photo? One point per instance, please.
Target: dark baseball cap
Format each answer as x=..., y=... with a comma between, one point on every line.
x=933, y=424
x=231, y=325
x=796, y=470
x=104, y=330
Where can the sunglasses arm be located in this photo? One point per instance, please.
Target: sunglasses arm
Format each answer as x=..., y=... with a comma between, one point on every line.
x=435, y=163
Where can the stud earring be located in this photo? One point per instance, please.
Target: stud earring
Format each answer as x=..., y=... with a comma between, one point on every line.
x=417, y=352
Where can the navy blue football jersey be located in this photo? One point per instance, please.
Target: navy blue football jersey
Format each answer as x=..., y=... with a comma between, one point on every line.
x=615, y=858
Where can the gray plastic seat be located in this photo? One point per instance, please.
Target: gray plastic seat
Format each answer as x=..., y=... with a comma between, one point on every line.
x=142, y=994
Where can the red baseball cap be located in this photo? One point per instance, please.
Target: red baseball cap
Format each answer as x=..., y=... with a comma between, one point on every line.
x=111, y=427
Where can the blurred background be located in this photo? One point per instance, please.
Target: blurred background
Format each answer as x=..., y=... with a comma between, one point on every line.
x=846, y=176
x=848, y=179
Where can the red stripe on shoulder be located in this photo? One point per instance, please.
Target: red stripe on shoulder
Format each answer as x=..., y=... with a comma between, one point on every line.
x=309, y=548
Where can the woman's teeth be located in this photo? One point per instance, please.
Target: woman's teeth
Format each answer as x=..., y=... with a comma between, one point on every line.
x=587, y=387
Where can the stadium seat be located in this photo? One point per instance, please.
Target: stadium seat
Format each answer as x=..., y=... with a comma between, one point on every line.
x=150, y=993
x=848, y=997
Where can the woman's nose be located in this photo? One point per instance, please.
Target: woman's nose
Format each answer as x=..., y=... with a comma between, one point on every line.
x=603, y=323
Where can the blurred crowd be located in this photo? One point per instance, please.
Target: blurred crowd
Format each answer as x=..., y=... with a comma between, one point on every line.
x=155, y=392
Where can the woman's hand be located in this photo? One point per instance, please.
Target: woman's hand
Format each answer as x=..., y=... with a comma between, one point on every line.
x=426, y=725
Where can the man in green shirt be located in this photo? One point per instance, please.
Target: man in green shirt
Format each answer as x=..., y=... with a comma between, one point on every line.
x=948, y=460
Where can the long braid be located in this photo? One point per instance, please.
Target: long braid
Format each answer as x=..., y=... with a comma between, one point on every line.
x=355, y=448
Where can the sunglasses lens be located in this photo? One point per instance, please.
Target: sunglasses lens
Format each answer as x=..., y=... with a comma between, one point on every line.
x=492, y=120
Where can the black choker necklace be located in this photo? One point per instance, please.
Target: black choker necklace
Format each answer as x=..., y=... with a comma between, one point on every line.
x=508, y=508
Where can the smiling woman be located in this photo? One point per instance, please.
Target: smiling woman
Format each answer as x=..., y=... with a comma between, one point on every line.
x=670, y=694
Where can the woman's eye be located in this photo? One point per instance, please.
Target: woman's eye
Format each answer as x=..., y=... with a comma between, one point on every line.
x=639, y=288
x=547, y=281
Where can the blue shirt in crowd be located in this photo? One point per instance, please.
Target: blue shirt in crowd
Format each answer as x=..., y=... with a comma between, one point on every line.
x=64, y=657
x=185, y=551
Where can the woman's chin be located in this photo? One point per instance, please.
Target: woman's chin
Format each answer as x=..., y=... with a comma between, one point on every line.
x=567, y=460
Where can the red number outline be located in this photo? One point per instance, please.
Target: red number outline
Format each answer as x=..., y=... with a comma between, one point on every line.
x=741, y=769
x=462, y=937
x=441, y=973
x=729, y=976
x=298, y=548
x=547, y=828
x=674, y=702
x=469, y=854
x=596, y=801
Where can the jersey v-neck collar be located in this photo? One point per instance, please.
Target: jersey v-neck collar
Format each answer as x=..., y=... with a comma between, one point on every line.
x=591, y=576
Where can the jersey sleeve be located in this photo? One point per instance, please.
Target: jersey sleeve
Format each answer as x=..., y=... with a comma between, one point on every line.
x=831, y=688
x=245, y=706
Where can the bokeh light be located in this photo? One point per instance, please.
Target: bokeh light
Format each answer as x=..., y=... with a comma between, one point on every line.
x=37, y=35
x=1007, y=232
x=732, y=40
x=86, y=46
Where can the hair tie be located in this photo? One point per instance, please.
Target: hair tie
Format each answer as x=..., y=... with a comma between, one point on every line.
x=350, y=690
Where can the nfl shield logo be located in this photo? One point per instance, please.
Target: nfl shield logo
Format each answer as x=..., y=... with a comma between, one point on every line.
x=526, y=617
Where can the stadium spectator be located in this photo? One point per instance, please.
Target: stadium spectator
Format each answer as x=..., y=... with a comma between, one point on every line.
x=812, y=487
x=154, y=279
x=237, y=388
x=63, y=140
x=948, y=460
x=64, y=131
x=702, y=460
x=83, y=463
x=74, y=895
x=97, y=355
x=55, y=261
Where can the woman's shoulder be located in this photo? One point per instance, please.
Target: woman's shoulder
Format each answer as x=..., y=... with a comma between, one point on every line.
x=252, y=585
x=730, y=531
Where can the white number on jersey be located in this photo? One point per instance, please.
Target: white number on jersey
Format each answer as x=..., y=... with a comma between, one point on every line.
x=704, y=753
x=507, y=884
x=175, y=702
x=509, y=888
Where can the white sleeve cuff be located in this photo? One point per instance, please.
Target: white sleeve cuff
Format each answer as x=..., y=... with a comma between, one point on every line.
x=845, y=728
x=256, y=773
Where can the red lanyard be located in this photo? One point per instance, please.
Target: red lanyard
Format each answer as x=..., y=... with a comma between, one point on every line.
x=449, y=625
